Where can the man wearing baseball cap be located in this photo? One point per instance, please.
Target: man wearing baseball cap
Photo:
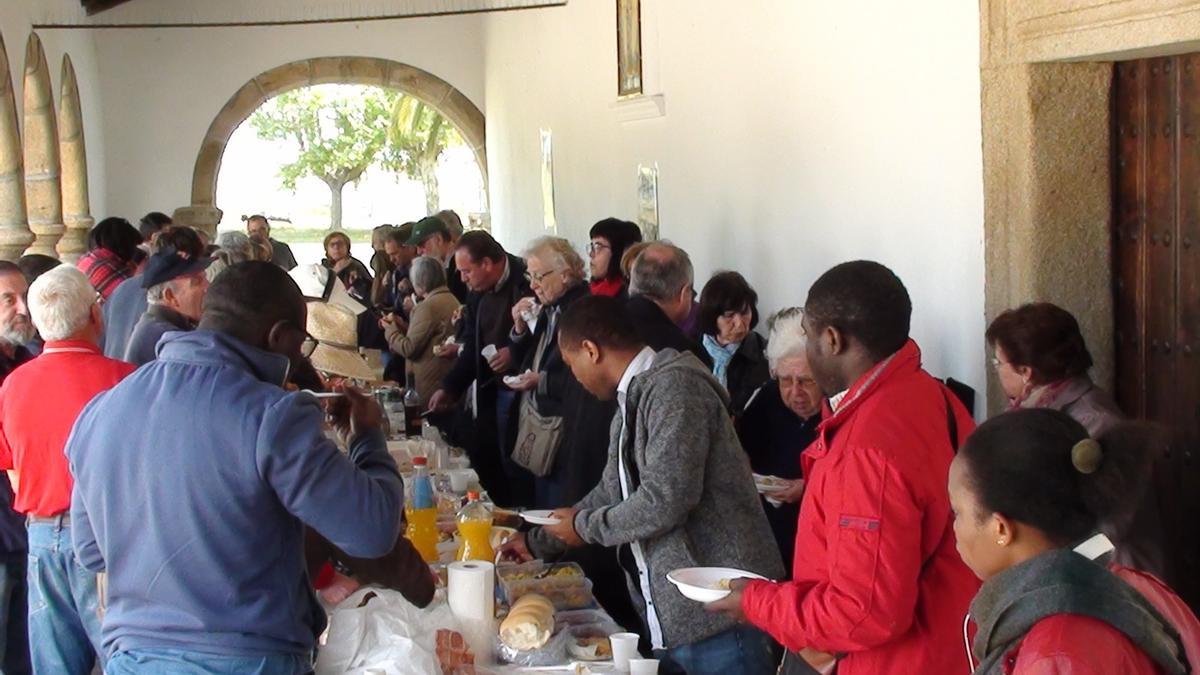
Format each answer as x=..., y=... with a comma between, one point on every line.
x=175, y=285
x=432, y=238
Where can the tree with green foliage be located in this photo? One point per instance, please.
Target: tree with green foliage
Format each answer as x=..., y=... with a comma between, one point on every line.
x=417, y=137
x=340, y=132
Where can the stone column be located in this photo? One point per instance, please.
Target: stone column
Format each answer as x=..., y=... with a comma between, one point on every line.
x=200, y=216
x=77, y=215
x=43, y=190
x=15, y=236
x=1047, y=200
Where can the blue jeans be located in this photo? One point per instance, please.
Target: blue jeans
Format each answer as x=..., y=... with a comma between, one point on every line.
x=64, y=604
x=179, y=662
x=14, y=615
x=741, y=650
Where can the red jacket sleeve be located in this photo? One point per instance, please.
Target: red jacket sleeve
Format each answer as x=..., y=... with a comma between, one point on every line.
x=872, y=524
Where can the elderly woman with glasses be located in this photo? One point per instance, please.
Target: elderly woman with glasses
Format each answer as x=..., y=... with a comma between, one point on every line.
x=550, y=391
x=556, y=275
x=779, y=422
x=1042, y=362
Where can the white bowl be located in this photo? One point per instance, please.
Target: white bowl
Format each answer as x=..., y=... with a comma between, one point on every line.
x=701, y=583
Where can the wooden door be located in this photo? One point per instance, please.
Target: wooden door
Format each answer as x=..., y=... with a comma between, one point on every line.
x=1156, y=269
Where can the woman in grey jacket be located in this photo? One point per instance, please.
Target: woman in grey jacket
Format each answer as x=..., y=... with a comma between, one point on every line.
x=431, y=323
x=676, y=490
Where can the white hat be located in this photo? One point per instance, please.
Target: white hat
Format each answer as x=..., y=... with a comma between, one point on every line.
x=318, y=282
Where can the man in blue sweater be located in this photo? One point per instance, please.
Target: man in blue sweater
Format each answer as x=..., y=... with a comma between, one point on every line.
x=196, y=476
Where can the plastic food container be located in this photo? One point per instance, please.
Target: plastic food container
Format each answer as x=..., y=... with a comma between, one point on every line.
x=564, y=584
x=582, y=617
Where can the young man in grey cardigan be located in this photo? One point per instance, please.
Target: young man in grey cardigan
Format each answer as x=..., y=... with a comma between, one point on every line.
x=676, y=491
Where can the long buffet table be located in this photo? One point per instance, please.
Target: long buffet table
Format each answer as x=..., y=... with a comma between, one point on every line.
x=377, y=632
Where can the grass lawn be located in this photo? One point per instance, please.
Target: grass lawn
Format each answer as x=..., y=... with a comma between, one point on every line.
x=300, y=235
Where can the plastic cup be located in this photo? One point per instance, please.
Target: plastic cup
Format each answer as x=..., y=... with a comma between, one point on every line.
x=643, y=666
x=488, y=352
x=624, y=649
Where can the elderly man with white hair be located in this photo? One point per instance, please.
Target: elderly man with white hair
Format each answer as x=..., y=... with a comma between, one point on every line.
x=779, y=422
x=176, y=283
x=233, y=247
x=64, y=619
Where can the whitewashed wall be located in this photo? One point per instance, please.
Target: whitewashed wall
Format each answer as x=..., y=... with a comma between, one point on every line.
x=797, y=135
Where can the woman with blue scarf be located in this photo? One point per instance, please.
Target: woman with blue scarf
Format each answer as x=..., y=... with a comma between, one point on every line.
x=727, y=317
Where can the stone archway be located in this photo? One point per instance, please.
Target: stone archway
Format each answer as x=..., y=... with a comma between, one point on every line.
x=466, y=117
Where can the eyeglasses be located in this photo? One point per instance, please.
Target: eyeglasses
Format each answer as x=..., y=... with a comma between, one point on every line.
x=309, y=345
x=789, y=381
x=537, y=278
x=596, y=246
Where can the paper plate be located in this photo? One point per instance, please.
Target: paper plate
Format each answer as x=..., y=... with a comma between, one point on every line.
x=702, y=584
x=540, y=517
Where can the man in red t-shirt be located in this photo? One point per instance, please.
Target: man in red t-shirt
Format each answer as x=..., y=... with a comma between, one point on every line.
x=39, y=403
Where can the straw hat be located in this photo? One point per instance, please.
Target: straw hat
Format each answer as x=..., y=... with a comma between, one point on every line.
x=333, y=324
x=335, y=329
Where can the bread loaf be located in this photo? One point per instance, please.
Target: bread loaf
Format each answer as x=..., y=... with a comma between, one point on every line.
x=529, y=624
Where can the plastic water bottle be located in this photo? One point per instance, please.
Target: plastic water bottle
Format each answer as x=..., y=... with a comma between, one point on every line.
x=421, y=512
x=475, y=530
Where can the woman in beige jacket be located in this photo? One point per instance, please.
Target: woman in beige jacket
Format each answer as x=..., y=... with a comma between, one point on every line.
x=431, y=322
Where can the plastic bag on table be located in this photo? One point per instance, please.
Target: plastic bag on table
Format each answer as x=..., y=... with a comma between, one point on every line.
x=553, y=653
x=377, y=632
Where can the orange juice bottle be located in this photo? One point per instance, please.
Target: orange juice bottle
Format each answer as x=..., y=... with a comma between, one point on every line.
x=420, y=512
x=475, y=530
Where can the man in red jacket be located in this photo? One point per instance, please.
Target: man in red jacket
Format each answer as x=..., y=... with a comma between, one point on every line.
x=38, y=405
x=877, y=583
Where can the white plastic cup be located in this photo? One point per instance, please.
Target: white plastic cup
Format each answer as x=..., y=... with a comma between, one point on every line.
x=643, y=666
x=488, y=352
x=624, y=649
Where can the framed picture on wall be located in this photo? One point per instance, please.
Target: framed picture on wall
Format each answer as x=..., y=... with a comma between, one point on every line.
x=629, y=47
x=549, y=218
x=647, y=191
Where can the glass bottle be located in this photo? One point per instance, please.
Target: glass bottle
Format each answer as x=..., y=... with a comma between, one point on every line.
x=412, y=407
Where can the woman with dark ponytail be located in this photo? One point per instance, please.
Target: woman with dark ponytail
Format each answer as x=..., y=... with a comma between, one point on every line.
x=1029, y=491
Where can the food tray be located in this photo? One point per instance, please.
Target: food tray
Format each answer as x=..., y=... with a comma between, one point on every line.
x=582, y=617
x=564, y=585
x=570, y=594
x=533, y=568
